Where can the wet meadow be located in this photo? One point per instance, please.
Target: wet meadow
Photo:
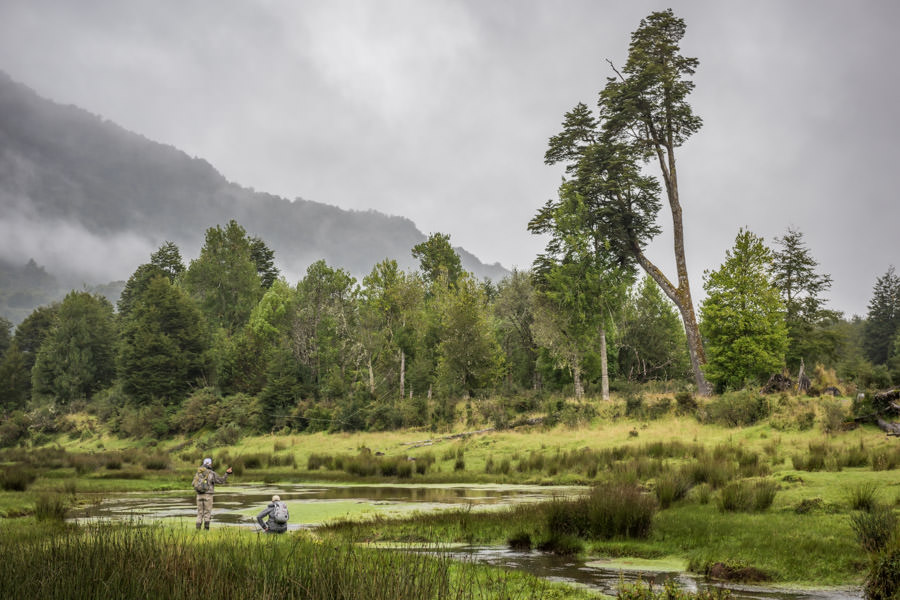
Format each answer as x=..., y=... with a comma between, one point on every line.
x=787, y=501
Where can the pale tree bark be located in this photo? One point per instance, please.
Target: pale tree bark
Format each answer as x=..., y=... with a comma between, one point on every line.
x=681, y=296
x=371, y=377
x=402, y=372
x=576, y=377
x=604, y=367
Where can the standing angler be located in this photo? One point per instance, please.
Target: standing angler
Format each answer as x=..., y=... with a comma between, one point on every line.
x=204, y=483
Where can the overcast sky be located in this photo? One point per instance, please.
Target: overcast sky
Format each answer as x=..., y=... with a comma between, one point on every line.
x=441, y=111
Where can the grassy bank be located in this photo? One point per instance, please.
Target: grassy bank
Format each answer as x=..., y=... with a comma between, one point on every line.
x=703, y=477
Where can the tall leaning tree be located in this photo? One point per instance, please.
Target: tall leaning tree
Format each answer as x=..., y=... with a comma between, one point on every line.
x=643, y=117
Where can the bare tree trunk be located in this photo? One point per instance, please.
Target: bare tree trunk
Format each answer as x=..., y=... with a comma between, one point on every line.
x=681, y=296
x=371, y=377
x=604, y=367
x=402, y=372
x=579, y=387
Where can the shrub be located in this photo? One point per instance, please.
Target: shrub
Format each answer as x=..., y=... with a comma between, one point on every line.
x=608, y=511
x=834, y=416
x=863, y=497
x=884, y=459
x=715, y=472
x=562, y=545
x=519, y=541
x=737, y=409
x=883, y=579
x=318, y=461
x=685, y=403
x=50, y=507
x=17, y=478
x=747, y=496
x=670, y=488
x=157, y=463
x=874, y=529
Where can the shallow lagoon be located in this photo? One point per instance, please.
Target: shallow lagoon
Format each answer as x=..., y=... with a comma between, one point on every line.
x=313, y=504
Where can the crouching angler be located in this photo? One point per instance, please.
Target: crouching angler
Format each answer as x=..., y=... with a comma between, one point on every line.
x=277, y=513
x=204, y=483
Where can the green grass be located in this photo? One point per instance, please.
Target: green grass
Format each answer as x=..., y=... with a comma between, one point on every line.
x=805, y=536
x=138, y=562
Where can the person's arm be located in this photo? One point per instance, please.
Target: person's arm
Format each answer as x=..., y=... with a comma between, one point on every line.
x=219, y=479
x=264, y=512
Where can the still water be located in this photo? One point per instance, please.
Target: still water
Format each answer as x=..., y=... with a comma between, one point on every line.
x=235, y=505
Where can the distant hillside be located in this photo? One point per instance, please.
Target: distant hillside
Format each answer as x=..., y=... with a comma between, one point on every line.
x=89, y=200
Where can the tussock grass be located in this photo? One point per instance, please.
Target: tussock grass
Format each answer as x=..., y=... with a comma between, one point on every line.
x=874, y=528
x=139, y=562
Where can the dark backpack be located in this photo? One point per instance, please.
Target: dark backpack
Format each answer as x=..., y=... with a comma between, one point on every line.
x=280, y=514
x=201, y=480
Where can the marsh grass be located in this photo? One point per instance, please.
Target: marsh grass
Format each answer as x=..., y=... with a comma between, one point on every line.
x=140, y=562
x=17, y=478
x=863, y=496
x=670, y=488
x=50, y=507
x=874, y=528
x=747, y=496
x=608, y=511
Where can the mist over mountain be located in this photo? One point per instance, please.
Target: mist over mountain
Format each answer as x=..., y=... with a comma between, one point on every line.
x=89, y=201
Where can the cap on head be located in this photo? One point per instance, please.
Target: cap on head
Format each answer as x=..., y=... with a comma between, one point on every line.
x=207, y=462
x=276, y=498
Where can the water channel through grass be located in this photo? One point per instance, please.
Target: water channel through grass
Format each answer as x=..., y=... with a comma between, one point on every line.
x=313, y=505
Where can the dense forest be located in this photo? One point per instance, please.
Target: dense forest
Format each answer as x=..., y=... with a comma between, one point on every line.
x=225, y=344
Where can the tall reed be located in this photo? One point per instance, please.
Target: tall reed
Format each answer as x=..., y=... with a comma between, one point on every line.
x=139, y=562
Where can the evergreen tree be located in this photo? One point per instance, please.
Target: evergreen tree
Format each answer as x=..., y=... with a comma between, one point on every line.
x=162, y=350
x=742, y=318
x=811, y=334
x=264, y=259
x=883, y=318
x=651, y=341
x=643, y=116
x=437, y=256
x=15, y=380
x=77, y=358
x=5, y=335
x=223, y=280
x=168, y=259
x=581, y=275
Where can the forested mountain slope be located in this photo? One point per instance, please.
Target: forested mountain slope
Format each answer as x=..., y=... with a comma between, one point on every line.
x=70, y=177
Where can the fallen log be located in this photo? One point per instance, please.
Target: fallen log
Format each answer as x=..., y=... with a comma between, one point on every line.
x=892, y=429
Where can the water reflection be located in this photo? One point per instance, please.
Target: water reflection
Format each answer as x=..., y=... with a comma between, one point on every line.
x=607, y=580
x=232, y=500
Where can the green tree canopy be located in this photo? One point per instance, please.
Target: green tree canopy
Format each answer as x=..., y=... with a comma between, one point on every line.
x=883, y=318
x=743, y=316
x=325, y=326
x=437, y=256
x=162, y=350
x=514, y=310
x=811, y=335
x=77, y=358
x=469, y=358
x=651, y=339
x=643, y=115
x=168, y=259
x=223, y=280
